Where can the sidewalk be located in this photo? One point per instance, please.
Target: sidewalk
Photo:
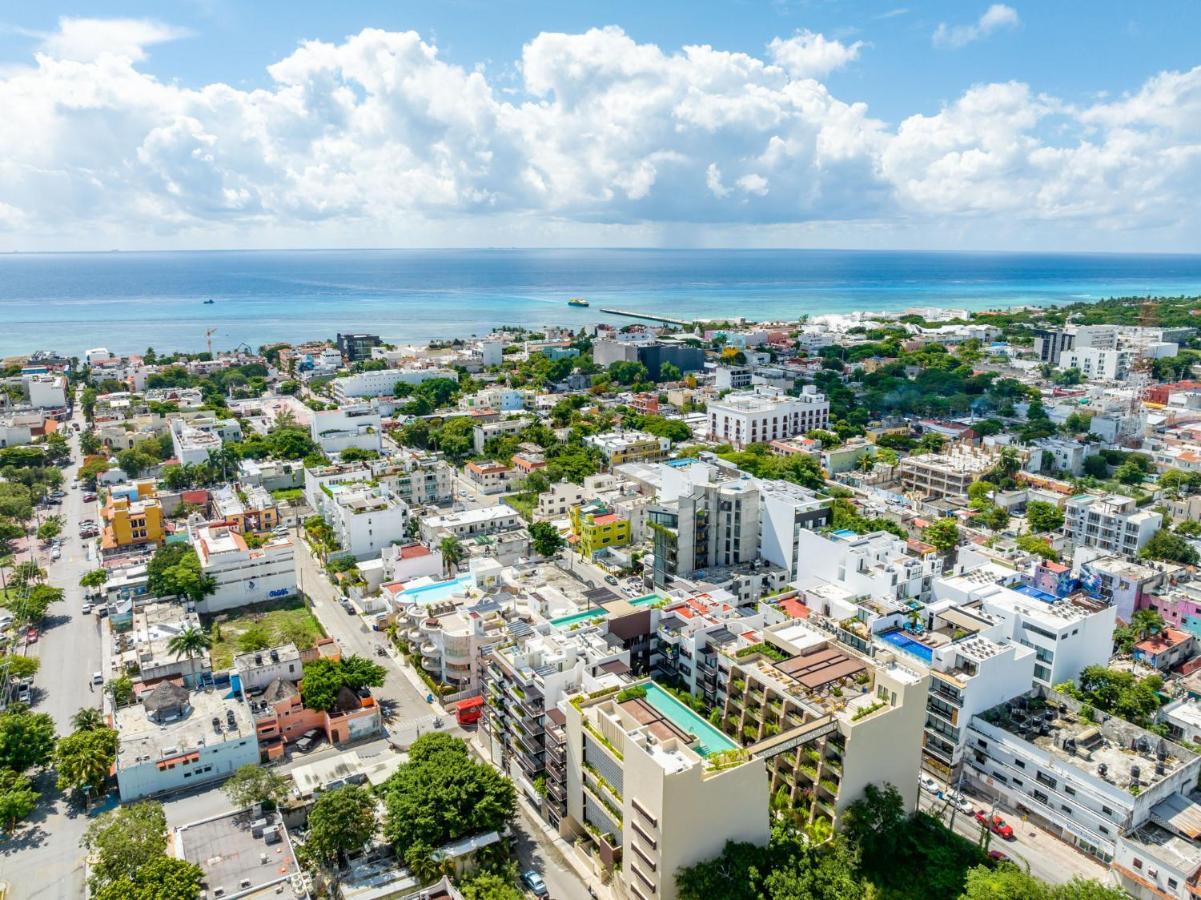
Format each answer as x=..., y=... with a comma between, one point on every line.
x=549, y=834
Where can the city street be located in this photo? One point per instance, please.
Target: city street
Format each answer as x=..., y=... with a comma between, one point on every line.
x=43, y=860
x=355, y=637
x=69, y=646
x=1036, y=851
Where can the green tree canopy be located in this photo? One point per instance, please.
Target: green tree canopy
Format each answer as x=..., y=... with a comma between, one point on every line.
x=162, y=878
x=441, y=794
x=1169, y=547
x=1043, y=516
x=545, y=538
x=125, y=841
x=341, y=821
x=17, y=799
x=83, y=759
x=26, y=739
x=252, y=784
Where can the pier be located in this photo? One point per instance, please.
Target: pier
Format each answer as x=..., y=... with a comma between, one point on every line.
x=682, y=323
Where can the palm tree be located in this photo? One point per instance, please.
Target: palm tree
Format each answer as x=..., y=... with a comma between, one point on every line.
x=88, y=719
x=189, y=642
x=452, y=553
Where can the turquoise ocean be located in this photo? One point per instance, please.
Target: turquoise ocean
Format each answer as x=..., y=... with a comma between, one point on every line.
x=130, y=301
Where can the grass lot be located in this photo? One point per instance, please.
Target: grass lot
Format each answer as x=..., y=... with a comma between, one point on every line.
x=279, y=621
x=283, y=495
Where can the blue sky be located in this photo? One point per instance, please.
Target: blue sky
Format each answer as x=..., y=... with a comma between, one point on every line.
x=1070, y=125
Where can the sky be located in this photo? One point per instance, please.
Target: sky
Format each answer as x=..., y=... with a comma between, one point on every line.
x=201, y=124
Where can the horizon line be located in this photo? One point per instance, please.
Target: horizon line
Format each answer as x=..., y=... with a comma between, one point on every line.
x=616, y=249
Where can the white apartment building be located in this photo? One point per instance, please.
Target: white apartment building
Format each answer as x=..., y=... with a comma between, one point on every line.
x=382, y=382
x=259, y=668
x=1086, y=781
x=655, y=794
x=787, y=510
x=558, y=501
x=736, y=378
x=46, y=391
x=827, y=720
x=169, y=741
x=502, y=399
x=358, y=425
x=489, y=476
x=481, y=434
x=1066, y=635
x=192, y=445
x=470, y=523
x=765, y=414
x=877, y=565
x=242, y=575
x=404, y=562
x=366, y=519
x=1112, y=522
x=417, y=478
x=1096, y=364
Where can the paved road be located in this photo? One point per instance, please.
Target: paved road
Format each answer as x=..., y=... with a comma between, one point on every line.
x=535, y=851
x=70, y=644
x=406, y=702
x=1035, y=850
x=43, y=860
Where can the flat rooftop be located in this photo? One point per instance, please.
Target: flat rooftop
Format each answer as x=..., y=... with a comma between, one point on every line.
x=236, y=861
x=1055, y=726
x=140, y=736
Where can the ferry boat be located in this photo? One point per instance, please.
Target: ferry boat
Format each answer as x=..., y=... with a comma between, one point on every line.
x=577, y=301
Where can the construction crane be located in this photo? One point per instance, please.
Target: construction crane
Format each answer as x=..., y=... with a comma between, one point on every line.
x=208, y=336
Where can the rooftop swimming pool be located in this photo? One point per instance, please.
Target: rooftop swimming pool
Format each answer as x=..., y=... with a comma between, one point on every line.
x=1031, y=591
x=596, y=612
x=904, y=642
x=708, y=739
x=599, y=612
x=439, y=590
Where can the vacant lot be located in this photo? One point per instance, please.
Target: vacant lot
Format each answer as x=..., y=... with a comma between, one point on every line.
x=260, y=626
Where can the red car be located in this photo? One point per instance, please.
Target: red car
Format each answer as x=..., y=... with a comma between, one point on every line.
x=31, y=636
x=996, y=825
x=997, y=856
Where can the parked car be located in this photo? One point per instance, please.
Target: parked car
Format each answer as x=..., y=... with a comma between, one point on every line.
x=346, y=605
x=87, y=607
x=97, y=678
x=309, y=740
x=31, y=635
x=996, y=825
x=609, y=579
x=960, y=802
x=24, y=695
x=928, y=784
x=998, y=856
x=534, y=882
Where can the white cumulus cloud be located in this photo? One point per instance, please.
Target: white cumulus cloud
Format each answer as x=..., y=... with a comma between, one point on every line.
x=810, y=55
x=996, y=16
x=379, y=135
x=85, y=39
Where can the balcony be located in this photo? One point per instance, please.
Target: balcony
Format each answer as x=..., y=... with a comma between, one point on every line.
x=429, y=649
x=431, y=664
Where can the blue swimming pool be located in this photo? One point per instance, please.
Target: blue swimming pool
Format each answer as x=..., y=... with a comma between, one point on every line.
x=1034, y=592
x=439, y=590
x=904, y=642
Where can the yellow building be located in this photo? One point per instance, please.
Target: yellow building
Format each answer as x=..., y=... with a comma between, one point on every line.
x=594, y=528
x=131, y=524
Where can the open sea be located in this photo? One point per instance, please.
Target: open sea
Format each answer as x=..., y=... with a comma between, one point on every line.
x=130, y=301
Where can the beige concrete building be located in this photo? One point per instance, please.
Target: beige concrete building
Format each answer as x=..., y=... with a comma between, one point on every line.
x=825, y=719
x=939, y=475
x=649, y=777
